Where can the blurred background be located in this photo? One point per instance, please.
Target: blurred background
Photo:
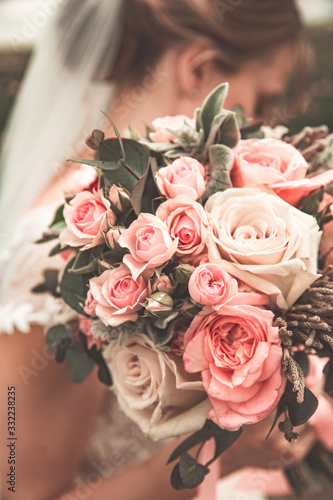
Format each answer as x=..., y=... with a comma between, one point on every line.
x=21, y=22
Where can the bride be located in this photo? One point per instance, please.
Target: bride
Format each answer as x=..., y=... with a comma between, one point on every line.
x=137, y=60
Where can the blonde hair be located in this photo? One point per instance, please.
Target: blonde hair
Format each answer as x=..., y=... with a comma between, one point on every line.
x=237, y=30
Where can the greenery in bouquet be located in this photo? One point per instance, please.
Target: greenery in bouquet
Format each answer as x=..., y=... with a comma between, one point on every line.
x=192, y=271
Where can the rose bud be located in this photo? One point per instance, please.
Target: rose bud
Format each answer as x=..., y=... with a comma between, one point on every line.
x=160, y=304
x=163, y=284
x=183, y=273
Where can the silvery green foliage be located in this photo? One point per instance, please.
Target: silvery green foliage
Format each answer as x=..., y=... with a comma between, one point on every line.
x=213, y=125
x=121, y=332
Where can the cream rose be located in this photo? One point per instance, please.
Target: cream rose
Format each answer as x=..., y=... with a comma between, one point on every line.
x=154, y=390
x=263, y=241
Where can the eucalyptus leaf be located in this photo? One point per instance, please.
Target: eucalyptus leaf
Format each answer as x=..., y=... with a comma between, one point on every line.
x=103, y=165
x=137, y=162
x=191, y=472
x=94, y=139
x=72, y=289
x=300, y=413
x=223, y=440
x=83, y=263
x=79, y=364
x=194, y=439
x=176, y=480
x=58, y=336
x=58, y=218
x=104, y=374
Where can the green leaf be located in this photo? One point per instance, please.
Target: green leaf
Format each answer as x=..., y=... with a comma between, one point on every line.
x=224, y=130
x=310, y=204
x=212, y=106
x=137, y=162
x=72, y=289
x=133, y=134
x=79, y=364
x=121, y=145
x=58, y=336
x=58, y=218
x=300, y=413
x=50, y=284
x=83, y=263
x=223, y=439
x=103, y=165
x=104, y=374
x=47, y=236
x=191, y=472
x=160, y=336
x=194, y=439
x=138, y=192
x=221, y=159
x=176, y=480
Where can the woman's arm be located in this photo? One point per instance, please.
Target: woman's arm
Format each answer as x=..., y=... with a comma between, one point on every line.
x=53, y=419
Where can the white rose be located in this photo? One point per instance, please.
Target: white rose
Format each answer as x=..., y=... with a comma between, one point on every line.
x=154, y=390
x=264, y=241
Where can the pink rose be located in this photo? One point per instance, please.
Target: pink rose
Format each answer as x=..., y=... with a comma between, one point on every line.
x=118, y=295
x=187, y=224
x=185, y=176
x=293, y=191
x=239, y=355
x=90, y=305
x=164, y=127
x=210, y=285
x=86, y=215
x=277, y=164
x=149, y=242
x=266, y=161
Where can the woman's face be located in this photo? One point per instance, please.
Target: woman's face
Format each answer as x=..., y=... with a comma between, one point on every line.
x=259, y=84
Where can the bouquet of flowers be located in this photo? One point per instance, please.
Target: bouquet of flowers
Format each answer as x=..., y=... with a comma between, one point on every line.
x=192, y=274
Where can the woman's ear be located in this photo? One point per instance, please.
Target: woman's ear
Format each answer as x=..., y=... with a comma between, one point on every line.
x=195, y=65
